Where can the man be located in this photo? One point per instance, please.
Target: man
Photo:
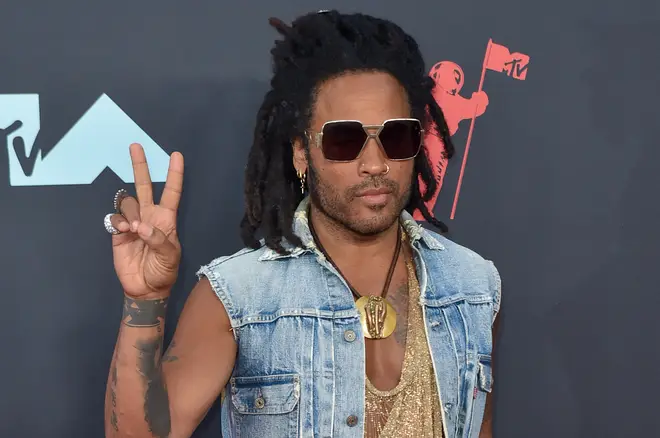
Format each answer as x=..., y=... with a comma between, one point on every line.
x=346, y=318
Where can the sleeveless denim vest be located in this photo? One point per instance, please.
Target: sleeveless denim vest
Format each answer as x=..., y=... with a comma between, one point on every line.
x=300, y=366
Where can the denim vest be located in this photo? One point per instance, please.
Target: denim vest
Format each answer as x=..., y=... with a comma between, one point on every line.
x=300, y=366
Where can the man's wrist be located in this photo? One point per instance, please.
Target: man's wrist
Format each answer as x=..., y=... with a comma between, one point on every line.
x=147, y=311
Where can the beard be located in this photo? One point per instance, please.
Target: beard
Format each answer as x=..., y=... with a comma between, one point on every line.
x=337, y=205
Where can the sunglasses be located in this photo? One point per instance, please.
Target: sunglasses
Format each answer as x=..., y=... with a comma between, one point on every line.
x=344, y=140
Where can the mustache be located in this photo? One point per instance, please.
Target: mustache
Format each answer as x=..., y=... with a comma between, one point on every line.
x=375, y=182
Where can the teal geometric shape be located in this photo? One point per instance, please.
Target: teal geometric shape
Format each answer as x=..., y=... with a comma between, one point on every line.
x=99, y=139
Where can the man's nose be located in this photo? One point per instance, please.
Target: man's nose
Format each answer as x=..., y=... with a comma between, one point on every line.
x=373, y=160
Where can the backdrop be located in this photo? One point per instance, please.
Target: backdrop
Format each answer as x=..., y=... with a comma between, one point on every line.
x=560, y=187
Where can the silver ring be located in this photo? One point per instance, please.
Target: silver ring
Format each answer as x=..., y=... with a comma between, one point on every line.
x=119, y=196
x=108, y=225
x=387, y=169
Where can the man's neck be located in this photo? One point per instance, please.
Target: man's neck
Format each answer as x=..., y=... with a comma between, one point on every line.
x=346, y=247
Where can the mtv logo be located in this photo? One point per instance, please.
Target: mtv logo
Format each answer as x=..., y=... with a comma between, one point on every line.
x=98, y=140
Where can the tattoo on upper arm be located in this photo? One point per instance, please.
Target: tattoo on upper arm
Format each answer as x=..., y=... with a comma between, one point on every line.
x=156, y=400
x=144, y=313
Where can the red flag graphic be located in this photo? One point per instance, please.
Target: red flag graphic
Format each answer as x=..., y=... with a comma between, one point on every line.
x=498, y=58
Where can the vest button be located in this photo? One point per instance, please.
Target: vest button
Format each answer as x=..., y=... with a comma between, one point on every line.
x=259, y=403
x=349, y=335
x=351, y=420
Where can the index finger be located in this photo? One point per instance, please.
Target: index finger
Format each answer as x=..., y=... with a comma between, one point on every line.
x=174, y=183
x=141, y=175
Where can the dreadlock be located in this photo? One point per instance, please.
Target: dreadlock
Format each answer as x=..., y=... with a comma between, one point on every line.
x=315, y=48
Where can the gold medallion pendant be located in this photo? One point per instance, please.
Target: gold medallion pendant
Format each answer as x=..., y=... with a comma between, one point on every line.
x=377, y=316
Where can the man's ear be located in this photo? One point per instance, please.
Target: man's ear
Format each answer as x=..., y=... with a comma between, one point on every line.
x=299, y=156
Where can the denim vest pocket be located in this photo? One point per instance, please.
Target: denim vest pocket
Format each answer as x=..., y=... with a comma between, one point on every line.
x=485, y=373
x=266, y=405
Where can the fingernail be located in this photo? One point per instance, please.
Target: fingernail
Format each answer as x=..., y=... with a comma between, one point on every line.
x=134, y=226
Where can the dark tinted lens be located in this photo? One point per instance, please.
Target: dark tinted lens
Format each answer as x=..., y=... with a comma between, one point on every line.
x=401, y=139
x=342, y=141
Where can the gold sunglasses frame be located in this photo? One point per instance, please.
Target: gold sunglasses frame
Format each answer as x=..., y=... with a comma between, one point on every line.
x=317, y=137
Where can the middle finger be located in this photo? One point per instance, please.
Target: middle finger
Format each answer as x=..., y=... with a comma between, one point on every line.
x=141, y=175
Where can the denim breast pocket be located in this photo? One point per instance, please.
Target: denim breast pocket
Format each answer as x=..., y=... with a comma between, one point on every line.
x=266, y=406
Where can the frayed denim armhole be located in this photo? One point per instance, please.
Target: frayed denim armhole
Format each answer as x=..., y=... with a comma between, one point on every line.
x=220, y=291
x=497, y=292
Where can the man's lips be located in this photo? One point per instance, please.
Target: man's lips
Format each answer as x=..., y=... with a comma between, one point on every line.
x=374, y=192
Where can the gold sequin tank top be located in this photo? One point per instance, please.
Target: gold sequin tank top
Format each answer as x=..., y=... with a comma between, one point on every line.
x=412, y=408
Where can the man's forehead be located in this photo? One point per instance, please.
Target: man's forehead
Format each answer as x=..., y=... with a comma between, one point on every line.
x=369, y=97
x=359, y=82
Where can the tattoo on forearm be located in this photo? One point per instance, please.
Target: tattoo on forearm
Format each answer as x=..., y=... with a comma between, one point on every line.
x=113, y=397
x=144, y=313
x=156, y=401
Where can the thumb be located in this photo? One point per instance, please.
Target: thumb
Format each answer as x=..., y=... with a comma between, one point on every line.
x=156, y=240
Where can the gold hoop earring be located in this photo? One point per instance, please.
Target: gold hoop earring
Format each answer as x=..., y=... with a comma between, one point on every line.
x=302, y=176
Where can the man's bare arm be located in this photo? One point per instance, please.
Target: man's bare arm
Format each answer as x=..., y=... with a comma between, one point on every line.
x=487, y=424
x=154, y=395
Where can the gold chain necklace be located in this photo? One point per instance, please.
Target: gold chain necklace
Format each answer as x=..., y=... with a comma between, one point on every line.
x=377, y=316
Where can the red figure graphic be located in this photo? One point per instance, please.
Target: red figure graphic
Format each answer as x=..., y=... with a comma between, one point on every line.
x=449, y=79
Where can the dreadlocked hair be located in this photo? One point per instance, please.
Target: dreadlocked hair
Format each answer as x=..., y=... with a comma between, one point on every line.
x=315, y=48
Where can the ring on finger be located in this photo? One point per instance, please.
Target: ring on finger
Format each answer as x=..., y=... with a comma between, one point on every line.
x=108, y=224
x=119, y=196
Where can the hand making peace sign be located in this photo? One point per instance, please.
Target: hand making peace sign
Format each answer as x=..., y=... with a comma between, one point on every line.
x=145, y=245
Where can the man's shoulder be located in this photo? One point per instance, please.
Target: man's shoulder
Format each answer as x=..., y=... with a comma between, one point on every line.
x=244, y=256
x=251, y=282
x=243, y=261
x=250, y=262
x=448, y=248
x=457, y=269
